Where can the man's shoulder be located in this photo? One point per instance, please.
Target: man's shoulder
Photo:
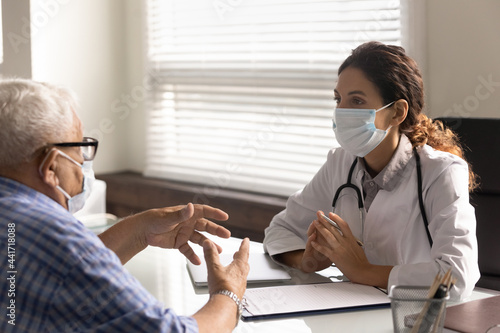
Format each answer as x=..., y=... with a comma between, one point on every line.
x=44, y=230
x=31, y=209
x=21, y=197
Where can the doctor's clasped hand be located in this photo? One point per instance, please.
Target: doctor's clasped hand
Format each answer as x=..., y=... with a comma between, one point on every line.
x=344, y=250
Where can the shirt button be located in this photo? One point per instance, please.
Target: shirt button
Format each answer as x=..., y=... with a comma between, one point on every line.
x=372, y=183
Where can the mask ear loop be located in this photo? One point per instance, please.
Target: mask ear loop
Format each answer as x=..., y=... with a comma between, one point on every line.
x=68, y=157
x=385, y=107
x=45, y=160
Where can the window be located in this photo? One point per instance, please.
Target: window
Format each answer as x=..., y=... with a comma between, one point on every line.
x=242, y=91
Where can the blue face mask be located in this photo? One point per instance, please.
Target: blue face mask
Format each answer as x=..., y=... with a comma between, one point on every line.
x=77, y=202
x=355, y=130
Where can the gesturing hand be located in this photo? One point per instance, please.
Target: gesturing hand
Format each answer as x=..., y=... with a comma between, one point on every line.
x=232, y=277
x=173, y=227
x=218, y=315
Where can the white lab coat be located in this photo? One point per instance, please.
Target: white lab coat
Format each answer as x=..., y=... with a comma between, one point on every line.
x=394, y=232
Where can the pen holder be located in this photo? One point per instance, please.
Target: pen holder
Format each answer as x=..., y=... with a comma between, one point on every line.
x=413, y=312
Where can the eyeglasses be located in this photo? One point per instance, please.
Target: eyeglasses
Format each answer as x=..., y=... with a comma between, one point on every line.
x=88, y=147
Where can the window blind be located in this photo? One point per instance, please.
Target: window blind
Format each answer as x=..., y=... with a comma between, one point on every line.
x=241, y=92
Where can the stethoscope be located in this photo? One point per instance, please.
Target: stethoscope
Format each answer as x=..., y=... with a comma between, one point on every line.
x=350, y=185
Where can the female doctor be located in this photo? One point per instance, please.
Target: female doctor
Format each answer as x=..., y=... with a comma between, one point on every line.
x=390, y=155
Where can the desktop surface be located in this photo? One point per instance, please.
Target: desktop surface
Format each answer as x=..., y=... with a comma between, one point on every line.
x=163, y=273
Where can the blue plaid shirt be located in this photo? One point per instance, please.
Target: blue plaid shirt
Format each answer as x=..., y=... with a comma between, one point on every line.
x=57, y=276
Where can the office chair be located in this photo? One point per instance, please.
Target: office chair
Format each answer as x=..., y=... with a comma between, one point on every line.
x=480, y=138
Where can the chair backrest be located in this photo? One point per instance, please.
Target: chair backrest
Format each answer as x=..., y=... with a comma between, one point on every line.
x=480, y=138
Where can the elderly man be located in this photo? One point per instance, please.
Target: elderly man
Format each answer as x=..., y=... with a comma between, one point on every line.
x=60, y=276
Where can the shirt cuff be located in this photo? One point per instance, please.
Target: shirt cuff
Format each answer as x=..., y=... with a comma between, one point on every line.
x=284, y=245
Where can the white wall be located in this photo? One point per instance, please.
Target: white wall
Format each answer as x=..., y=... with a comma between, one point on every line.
x=133, y=113
x=16, y=41
x=96, y=47
x=463, y=51
x=81, y=44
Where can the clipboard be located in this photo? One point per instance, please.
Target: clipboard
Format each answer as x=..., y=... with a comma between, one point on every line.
x=311, y=299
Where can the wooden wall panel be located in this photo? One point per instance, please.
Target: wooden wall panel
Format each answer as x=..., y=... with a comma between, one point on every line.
x=249, y=213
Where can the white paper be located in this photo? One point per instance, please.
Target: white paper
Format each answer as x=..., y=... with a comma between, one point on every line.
x=299, y=298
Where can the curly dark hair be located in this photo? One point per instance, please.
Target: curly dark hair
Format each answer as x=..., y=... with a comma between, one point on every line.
x=397, y=76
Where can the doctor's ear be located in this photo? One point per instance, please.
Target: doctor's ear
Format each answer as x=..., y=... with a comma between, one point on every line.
x=47, y=169
x=401, y=107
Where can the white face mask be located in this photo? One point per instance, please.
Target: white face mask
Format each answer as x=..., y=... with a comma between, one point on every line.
x=77, y=202
x=355, y=130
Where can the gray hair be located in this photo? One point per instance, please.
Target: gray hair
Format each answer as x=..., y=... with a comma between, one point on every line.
x=32, y=115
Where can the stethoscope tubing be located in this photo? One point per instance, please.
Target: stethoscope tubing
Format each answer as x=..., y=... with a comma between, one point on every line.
x=349, y=184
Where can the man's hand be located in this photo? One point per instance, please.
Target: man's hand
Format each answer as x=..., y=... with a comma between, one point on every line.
x=173, y=227
x=219, y=314
x=232, y=277
x=169, y=227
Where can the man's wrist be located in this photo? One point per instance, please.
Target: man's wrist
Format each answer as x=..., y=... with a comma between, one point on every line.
x=239, y=303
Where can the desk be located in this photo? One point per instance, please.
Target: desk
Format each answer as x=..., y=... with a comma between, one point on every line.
x=163, y=273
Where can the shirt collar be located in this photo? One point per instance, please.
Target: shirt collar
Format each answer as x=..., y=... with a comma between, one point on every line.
x=394, y=171
x=10, y=187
